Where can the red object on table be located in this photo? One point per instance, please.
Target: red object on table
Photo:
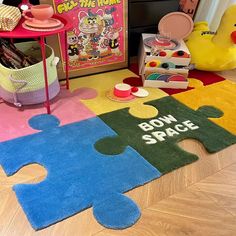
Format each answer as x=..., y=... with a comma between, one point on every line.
x=20, y=32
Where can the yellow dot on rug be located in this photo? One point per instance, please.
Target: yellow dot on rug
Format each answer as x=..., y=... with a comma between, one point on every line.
x=195, y=83
x=143, y=111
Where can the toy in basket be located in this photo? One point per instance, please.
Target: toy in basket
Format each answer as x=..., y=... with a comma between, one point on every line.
x=164, y=59
x=26, y=85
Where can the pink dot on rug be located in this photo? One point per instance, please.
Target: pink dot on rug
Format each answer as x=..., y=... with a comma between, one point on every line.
x=133, y=81
x=85, y=93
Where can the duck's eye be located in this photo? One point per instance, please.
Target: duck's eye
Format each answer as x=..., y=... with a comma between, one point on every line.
x=235, y=25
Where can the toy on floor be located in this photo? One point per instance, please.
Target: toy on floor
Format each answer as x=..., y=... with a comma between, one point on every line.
x=78, y=176
x=123, y=92
x=164, y=58
x=214, y=52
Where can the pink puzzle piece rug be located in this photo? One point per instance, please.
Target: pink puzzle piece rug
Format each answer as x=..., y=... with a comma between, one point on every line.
x=66, y=106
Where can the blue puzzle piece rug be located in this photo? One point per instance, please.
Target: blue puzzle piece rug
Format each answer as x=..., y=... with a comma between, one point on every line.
x=78, y=176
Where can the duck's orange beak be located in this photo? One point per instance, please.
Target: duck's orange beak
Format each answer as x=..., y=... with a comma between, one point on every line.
x=233, y=36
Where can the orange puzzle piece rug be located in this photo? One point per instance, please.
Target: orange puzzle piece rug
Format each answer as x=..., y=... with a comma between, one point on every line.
x=100, y=148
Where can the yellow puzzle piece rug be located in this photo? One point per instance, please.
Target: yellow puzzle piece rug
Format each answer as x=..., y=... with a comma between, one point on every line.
x=221, y=95
x=103, y=83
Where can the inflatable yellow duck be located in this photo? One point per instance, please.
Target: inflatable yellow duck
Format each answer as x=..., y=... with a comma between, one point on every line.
x=214, y=52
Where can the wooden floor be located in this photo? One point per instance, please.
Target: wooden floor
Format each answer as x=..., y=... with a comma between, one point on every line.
x=231, y=75
x=198, y=199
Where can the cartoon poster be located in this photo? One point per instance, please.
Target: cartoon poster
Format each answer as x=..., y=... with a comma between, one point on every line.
x=98, y=40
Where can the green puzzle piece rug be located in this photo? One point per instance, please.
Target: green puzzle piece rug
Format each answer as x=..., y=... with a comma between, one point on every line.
x=156, y=138
x=124, y=145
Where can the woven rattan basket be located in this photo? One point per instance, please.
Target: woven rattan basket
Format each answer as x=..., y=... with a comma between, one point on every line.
x=9, y=17
x=27, y=86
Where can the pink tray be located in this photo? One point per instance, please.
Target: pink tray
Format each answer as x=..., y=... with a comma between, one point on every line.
x=20, y=32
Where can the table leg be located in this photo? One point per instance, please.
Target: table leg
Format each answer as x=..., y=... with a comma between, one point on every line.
x=66, y=61
x=43, y=52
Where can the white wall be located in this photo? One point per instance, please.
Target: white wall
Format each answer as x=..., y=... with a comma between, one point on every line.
x=212, y=11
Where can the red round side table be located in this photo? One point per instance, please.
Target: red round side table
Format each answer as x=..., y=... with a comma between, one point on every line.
x=20, y=32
